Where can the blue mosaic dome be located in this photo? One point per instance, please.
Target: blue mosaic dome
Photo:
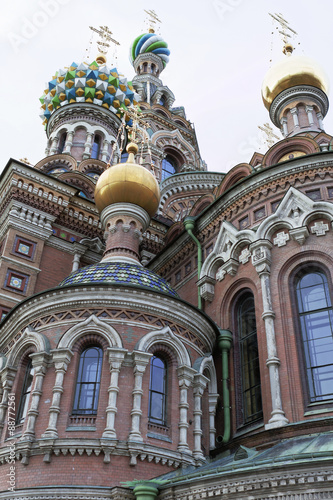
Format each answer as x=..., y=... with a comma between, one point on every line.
x=114, y=273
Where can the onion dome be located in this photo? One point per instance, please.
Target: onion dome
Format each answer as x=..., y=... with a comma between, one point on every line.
x=93, y=83
x=128, y=183
x=150, y=42
x=290, y=72
x=114, y=273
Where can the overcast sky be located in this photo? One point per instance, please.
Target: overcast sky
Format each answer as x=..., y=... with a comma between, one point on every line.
x=220, y=52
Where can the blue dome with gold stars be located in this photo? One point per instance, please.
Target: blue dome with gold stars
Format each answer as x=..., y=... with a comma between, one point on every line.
x=93, y=83
x=114, y=273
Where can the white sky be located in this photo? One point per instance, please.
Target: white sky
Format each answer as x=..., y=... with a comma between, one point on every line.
x=220, y=52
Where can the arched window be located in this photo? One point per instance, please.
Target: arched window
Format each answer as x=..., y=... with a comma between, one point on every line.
x=61, y=143
x=25, y=394
x=157, y=391
x=316, y=323
x=168, y=167
x=162, y=100
x=88, y=382
x=249, y=359
x=95, y=149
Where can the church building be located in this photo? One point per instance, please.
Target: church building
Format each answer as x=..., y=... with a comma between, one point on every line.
x=166, y=330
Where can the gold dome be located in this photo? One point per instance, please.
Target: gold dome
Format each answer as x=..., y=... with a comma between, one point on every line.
x=289, y=72
x=128, y=183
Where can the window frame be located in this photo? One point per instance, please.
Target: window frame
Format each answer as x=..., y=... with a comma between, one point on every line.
x=23, y=406
x=164, y=420
x=241, y=418
x=77, y=410
x=296, y=276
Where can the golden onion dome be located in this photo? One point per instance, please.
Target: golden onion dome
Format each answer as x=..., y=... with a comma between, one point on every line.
x=289, y=72
x=128, y=183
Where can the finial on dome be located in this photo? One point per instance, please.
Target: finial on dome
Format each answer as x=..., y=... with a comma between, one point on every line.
x=288, y=49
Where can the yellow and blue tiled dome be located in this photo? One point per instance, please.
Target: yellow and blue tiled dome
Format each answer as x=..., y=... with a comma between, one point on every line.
x=114, y=273
x=93, y=83
x=150, y=42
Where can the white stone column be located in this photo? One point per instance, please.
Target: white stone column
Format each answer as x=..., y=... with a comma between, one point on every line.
x=76, y=262
x=39, y=362
x=212, y=402
x=199, y=385
x=309, y=110
x=141, y=360
x=105, y=150
x=320, y=120
x=7, y=380
x=261, y=259
x=294, y=114
x=116, y=357
x=69, y=142
x=87, y=145
x=54, y=146
x=185, y=378
x=61, y=359
x=283, y=123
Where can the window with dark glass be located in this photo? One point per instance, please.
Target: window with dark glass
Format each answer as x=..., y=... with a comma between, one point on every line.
x=157, y=391
x=61, y=144
x=316, y=322
x=25, y=394
x=168, y=167
x=249, y=359
x=88, y=382
x=96, y=147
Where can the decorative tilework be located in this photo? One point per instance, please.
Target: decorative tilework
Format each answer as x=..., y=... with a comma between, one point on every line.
x=16, y=281
x=92, y=83
x=24, y=248
x=119, y=273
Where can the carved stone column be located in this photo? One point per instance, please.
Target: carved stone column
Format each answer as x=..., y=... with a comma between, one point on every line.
x=105, y=150
x=7, y=380
x=87, y=146
x=294, y=113
x=69, y=142
x=141, y=360
x=116, y=357
x=185, y=378
x=309, y=111
x=212, y=402
x=61, y=359
x=261, y=259
x=39, y=362
x=54, y=146
x=199, y=385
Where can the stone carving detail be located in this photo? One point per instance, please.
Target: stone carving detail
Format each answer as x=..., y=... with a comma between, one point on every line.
x=319, y=228
x=281, y=239
x=244, y=256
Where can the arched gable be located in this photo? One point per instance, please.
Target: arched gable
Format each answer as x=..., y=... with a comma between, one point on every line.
x=167, y=337
x=30, y=337
x=89, y=326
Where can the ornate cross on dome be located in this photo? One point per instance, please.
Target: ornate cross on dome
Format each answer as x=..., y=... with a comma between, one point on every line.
x=270, y=136
x=285, y=29
x=152, y=19
x=105, y=38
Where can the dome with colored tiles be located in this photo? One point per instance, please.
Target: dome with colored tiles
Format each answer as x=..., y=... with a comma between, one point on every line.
x=91, y=83
x=112, y=273
x=150, y=42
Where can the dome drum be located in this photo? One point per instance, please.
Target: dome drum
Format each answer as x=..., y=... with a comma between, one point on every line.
x=297, y=94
